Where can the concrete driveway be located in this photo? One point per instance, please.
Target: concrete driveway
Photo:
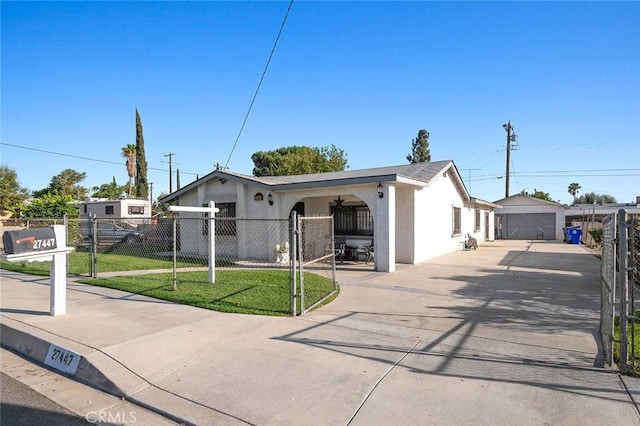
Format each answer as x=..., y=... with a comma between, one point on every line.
x=507, y=334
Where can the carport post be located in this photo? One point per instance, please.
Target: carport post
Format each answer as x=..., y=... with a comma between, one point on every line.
x=385, y=230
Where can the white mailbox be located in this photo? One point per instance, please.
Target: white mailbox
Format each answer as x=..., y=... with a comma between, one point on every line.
x=43, y=245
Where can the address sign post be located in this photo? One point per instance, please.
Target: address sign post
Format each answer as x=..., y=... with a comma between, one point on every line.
x=211, y=211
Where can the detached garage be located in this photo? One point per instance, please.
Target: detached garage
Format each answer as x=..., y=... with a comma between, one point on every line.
x=527, y=218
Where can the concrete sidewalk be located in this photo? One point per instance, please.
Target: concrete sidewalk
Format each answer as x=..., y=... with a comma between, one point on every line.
x=502, y=335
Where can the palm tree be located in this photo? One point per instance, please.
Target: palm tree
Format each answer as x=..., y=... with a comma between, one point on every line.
x=129, y=152
x=573, y=190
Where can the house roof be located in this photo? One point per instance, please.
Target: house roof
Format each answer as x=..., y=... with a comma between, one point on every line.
x=484, y=203
x=529, y=198
x=416, y=174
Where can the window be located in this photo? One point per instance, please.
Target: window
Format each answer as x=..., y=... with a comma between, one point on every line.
x=457, y=221
x=85, y=209
x=136, y=209
x=108, y=209
x=477, y=220
x=224, y=226
x=352, y=220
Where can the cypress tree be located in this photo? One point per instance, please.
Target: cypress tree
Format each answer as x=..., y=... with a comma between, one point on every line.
x=142, y=184
x=420, y=148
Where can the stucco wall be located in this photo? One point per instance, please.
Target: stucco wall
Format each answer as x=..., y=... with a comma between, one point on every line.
x=434, y=219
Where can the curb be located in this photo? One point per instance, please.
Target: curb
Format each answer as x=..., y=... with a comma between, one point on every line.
x=34, y=343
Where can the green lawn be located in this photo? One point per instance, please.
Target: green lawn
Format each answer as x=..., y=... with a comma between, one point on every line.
x=79, y=263
x=636, y=344
x=261, y=292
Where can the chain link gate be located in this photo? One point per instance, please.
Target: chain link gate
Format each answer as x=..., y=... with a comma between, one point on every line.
x=620, y=272
x=313, y=257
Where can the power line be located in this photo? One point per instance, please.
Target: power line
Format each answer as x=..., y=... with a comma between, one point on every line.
x=255, y=95
x=583, y=171
x=97, y=160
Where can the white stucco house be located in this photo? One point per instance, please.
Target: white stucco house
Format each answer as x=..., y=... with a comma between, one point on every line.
x=411, y=213
x=523, y=217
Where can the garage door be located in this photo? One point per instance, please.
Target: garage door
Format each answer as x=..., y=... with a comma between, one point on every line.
x=528, y=226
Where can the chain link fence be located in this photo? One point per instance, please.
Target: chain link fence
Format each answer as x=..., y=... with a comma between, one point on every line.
x=608, y=275
x=291, y=260
x=78, y=262
x=620, y=271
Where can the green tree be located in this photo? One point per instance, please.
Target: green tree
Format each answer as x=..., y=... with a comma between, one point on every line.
x=537, y=194
x=51, y=204
x=65, y=183
x=593, y=198
x=298, y=160
x=573, y=190
x=420, y=148
x=142, y=184
x=12, y=194
x=129, y=152
x=162, y=209
x=110, y=191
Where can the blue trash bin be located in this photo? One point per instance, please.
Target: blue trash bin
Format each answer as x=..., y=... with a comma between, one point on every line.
x=574, y=234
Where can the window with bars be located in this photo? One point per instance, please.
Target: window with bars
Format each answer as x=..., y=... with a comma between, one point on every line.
x=352, y=220
x=108, y=209
x=477, y=220
x=457, y=221
x=223, y=227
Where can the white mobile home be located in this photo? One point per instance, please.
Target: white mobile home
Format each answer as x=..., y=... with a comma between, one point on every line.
x=127, y=208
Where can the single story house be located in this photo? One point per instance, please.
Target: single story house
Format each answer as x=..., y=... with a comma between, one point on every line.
x=412, y=213
x=591, y=212
x=523, y=217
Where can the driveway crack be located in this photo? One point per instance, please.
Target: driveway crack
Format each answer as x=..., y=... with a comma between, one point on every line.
x=373, y=388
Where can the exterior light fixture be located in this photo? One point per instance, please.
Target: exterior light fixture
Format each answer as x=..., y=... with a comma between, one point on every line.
x=270, y=199
x=380, y=193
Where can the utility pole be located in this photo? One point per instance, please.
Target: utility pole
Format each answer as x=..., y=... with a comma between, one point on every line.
x=511, y=137
x=151, y=193
x=170, y=155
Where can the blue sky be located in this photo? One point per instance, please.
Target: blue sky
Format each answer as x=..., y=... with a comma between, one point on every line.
x=364, y=76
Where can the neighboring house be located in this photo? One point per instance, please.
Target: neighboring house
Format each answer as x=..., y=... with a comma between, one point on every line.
x=411, y=213
x=123, y=208
x=528, y=218
x=596, y=212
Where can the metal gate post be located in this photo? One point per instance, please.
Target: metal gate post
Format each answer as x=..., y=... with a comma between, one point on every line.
x=174, y=286
x=294, y=254
x=93, y=229
x=623, y=274
x=300, y=264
